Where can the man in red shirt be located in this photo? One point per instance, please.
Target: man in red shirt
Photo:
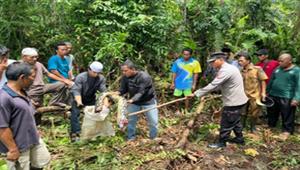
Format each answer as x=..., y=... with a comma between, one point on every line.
x=267, y=65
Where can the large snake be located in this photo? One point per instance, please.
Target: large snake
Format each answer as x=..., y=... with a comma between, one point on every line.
x=121, y=106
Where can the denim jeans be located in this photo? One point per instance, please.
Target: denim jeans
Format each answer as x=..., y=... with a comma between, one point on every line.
x=152, y=118
x=75, y=115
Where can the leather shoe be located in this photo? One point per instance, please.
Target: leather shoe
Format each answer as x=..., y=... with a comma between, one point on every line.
x=237, y=141
x=217, y=145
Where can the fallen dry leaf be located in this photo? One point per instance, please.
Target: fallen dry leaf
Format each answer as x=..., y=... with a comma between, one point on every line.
x=222, y=160
x=251, y=152
x=192, y=158
x=254, y=137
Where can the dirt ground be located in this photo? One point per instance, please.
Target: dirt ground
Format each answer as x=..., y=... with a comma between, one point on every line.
x=263, y=149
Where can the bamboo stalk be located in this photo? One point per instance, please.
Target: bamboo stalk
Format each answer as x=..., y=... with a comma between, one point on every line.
x=158, y=106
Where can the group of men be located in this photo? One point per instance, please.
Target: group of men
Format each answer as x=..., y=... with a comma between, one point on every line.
x=22, y=92
x=245, y=88
x=242, y=86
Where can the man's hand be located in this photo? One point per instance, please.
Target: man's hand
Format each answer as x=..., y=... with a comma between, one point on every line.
x=130, y=101
x=3, y=67
x=116, y=93
x=191, y=95
x=13, y=155
x=68, y=82
x=78, y=101
x=263, y=97
x=80, y=105
x=172, y=86
x=35, y=104
x=294, y=103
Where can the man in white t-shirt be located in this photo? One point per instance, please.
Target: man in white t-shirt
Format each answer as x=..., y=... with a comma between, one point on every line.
x=70, y=58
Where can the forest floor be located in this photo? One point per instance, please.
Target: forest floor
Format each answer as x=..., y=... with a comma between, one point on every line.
x=263, y=149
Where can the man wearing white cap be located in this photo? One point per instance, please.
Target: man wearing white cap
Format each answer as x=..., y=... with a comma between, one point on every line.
x=84, y=93
x=39, y=88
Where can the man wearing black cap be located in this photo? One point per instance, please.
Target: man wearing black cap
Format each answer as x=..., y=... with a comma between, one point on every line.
x=230, y=81
x=267, y=65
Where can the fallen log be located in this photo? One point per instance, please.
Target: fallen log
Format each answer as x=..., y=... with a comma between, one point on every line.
x=46, y=109
x=191, y=122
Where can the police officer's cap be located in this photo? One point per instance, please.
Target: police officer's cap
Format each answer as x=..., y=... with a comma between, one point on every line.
x=215, y=56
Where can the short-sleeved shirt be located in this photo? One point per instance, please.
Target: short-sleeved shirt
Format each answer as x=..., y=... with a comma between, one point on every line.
x=184, y=71
x=252, y=76
x=40, y=72
x=268, y=67
x=60, y=64
x=285, y=83
x=70, y=59
x=4, y=79
x=16, y=113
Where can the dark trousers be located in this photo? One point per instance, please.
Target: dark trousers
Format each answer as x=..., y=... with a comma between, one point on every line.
x=231, y=120
x=75, y=116
x=282, y=106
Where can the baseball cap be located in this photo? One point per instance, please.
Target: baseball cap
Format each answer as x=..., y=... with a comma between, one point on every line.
x=215, y=56
x=262, y=52
x=29, y=51
x=96, y=67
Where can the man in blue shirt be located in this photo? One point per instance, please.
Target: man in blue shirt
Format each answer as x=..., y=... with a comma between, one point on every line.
x=58, y=65
x=185, y=75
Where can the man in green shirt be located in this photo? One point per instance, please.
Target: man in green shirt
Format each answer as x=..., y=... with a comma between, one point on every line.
x=284, y=89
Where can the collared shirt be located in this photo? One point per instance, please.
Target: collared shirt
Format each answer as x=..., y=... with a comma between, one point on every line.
x=285, y=83
x=16, y=113
x=229, y=80
x=60, y=64
x=140, y=88
x=268, y=67
x=185, y=71
x=86, y=87
x=252, y=76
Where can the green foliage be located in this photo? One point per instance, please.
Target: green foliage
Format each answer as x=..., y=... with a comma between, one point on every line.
x=115, y=30
x=202, y=132
x=2, y=165
x=291, y=160
x=146, y=31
